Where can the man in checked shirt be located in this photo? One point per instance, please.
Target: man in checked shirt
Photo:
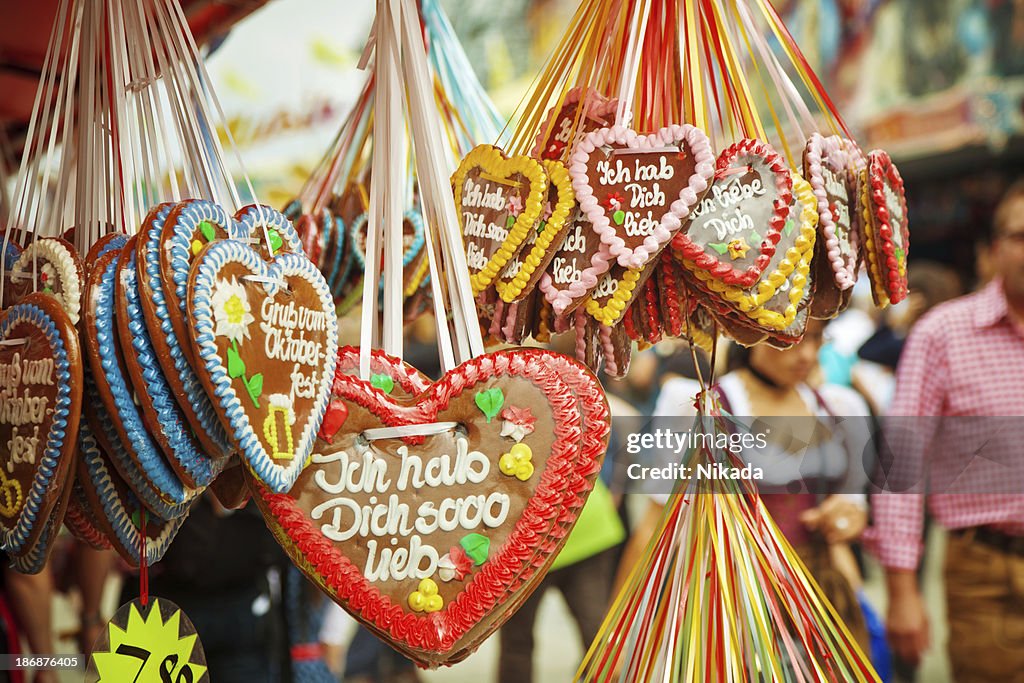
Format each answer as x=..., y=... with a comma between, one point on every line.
x=963, y=364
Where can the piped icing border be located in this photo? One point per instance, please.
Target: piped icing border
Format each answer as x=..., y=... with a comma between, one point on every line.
x=81, y=522
x=831, y=151
x=494, y=162
x=171, y=430
x=116, y=514
x=679, y=210
x=254, y=217
x=162, y=491
x=64, y=260
x=196, y=404
x=558, y=176
x=784, y=185
x=793, y=268
x=515, y=561
x=595, y=106
x=66, y=412
x=889, y=277
x=286, y=265
x=357, y=237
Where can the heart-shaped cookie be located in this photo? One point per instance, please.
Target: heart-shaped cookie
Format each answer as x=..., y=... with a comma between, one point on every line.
x=116, y=510
x=520, y=275
x=476, y=535
x=51, y=266
x=414, y=255
x=573, y=273
x=887, y=236
x=583, y=111
x=154, y=395
x=264, y=337
x=112, y=400
x=40, y=407
x=164, y=257
x=639, y=190
x=81, y=522
x=829, y=168
x=735, y=228
x=773, y=301
x=499, y=200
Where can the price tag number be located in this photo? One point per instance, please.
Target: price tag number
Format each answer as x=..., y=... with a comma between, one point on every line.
x=166, y=671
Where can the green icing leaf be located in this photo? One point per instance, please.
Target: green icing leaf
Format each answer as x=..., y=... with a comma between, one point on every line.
x=789, y=227
x=720, y=247
x=236, y=366
x=275, y=241
x=754, y=236
x=619, y=217
x=490, y=402
x=477, y=547
x=206, y=227
x=382, y=382
x=256, y=384
x=900, y=255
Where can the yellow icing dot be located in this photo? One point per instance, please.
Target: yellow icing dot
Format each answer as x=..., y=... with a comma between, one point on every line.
x=426, y=598
x=517, y=462
x=197, y=246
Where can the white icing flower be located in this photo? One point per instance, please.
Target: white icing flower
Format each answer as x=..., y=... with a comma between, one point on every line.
x=516, y=431
x=446, y=568
x=231, y=310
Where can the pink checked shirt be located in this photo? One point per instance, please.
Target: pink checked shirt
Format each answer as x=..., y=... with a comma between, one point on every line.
x=965, y=358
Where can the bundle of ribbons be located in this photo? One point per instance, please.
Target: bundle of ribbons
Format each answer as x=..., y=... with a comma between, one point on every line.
x=430, y=510
x=680, y=172
x=153, y=342
x=331, y=211
x=652, y=189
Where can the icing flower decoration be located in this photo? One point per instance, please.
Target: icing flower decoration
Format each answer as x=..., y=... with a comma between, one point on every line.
x=425, y=598
x=738, y=248
x=231, y=311
x=613, y=202
x=515, y=205
x=455, y=565
x=518, y=422
x=517, y=462
x=47, y=277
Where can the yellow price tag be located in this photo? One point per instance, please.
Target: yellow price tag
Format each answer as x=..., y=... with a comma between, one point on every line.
x=155, y=643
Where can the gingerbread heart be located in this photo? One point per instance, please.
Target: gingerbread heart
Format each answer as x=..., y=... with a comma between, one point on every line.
x=51, y=266
x=40, y=407
x=414, y=261
x=887, y=236
x=154, y=394
x=116, y=510
x=32, y=558
x=165, y=253
x=575, y=268
x=735, y=229
x=264, y=337
x=639, y=190
x=773, y=301
x=829, y=165
x=113, y=409
x=80, y=521
x=498, y=200
x=521, y=274
x=436, y=584
x=582, y=112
